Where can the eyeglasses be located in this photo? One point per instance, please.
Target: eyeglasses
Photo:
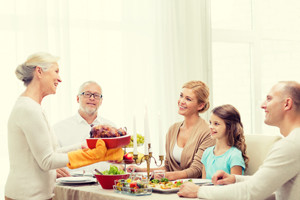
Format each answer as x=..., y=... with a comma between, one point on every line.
x=89, y=95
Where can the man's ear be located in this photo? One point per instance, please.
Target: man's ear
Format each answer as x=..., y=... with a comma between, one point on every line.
x=77, y=98
x=288, y=104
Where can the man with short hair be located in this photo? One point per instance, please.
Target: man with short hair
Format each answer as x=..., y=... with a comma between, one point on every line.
x=74, y=130
x=280, y=172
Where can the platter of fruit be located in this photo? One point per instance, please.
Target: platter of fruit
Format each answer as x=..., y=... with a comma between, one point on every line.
x=140, y=141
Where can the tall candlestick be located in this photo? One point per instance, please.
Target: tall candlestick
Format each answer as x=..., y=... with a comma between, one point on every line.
x=160, y=138
x=146, y=131
x=134, y=137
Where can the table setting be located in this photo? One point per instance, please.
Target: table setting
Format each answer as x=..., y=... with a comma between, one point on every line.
x=116, y=183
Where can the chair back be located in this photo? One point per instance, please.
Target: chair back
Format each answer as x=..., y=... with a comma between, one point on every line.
x=258, y=146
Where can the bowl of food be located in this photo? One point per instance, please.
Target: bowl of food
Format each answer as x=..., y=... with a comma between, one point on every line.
x=132, y=187
x=107, y=178
x=108, y=181
x=113, y=138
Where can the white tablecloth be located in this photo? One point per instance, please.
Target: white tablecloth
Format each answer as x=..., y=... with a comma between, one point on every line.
x=95, y=192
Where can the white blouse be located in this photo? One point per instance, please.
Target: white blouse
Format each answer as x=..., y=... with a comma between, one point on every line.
x=177, y=151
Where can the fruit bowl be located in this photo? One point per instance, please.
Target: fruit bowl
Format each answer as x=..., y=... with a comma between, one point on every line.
x=107, y=181
x=111, y=143
x=140, y=141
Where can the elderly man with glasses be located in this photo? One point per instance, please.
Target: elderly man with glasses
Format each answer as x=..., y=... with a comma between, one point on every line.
x=76, y=129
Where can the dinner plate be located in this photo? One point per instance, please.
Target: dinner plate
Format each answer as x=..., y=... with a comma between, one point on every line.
x=76, y=180
x=197, y=181
x=81, y=173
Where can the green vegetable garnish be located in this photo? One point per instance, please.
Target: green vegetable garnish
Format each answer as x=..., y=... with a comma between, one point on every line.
x=164, y=180
x=155, y=181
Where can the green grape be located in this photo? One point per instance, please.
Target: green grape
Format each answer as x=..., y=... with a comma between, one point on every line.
x=140, y=140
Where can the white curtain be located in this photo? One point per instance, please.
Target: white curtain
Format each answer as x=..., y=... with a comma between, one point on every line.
x=140, y=52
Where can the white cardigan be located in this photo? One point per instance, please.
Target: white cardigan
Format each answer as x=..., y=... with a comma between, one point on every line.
x=33, y=153
x=280, y=172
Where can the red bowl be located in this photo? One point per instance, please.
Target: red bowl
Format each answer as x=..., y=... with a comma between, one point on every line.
x=111, y=143
x=107, y=181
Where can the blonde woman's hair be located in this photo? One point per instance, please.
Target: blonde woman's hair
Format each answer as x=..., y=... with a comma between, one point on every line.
x=24, y=72
x=201, y=91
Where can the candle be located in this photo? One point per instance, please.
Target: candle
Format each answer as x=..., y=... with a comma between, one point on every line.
x=135, y=152
x=146, y=131
x=146, y=148
x=160, y=139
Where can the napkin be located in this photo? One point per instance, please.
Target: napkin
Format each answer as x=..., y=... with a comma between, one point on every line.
x=83, y=157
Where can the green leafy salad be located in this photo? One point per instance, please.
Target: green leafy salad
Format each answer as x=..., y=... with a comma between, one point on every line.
x=113, y=170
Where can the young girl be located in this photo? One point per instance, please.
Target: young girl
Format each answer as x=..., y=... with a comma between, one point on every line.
x=229, y=153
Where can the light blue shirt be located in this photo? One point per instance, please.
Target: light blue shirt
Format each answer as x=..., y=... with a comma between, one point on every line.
x=232, y=157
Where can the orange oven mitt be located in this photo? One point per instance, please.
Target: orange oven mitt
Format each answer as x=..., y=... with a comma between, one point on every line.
x=83, y=157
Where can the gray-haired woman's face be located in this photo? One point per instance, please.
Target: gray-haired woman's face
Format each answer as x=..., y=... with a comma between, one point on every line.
x=50, y=79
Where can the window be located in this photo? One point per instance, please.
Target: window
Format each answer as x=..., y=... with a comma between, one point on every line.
x=253, y=47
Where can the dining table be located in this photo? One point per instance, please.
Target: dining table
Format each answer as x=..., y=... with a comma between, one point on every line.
x=94, y=191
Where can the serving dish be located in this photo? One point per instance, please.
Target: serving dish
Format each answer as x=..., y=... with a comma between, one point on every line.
x=133, y=192
x=138, y=187
x=111, y=143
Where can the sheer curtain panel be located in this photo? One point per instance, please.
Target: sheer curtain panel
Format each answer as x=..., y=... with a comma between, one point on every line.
x=140, y=52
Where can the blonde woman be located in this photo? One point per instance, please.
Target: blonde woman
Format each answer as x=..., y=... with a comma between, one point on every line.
x=187, y=140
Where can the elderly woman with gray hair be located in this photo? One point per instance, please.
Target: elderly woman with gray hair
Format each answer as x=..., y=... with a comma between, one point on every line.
x=32, y=146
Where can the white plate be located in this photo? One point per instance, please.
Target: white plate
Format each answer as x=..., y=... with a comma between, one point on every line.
x=76, y=180
x=197, y=181
x=81, y=173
